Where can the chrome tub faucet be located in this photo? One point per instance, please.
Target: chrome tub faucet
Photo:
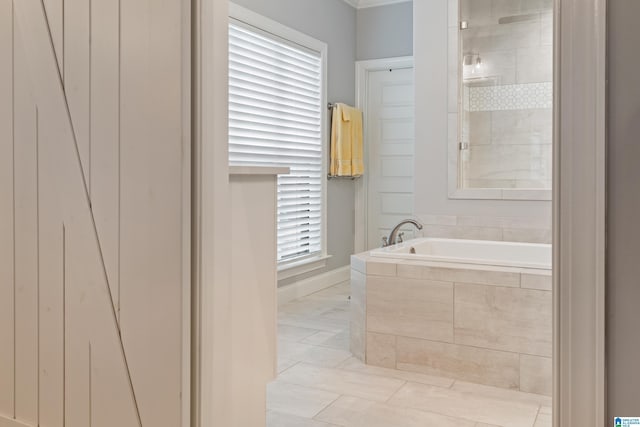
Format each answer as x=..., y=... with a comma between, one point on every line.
x=395, y=237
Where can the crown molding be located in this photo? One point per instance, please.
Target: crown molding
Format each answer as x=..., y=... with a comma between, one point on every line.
x=362, y=4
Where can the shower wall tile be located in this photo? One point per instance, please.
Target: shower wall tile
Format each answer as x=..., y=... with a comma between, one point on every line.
x=531, y=230
x=527, y=236
x=480, y=123
x=522, y=127
x=546, y=38
x=457, y=232
x=535, y=64
x=510, y=162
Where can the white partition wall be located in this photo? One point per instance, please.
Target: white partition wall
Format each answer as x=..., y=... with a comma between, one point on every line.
x=253, y=299
x=94, y=213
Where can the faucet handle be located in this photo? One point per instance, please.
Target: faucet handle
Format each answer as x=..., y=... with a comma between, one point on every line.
x=385, y=242
x=400, y=240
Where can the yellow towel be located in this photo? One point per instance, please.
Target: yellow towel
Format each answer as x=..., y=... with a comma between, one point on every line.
x=346, y=141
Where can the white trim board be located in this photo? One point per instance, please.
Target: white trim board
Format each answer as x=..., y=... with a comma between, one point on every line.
x=313, y=284
x=579, y=203
x=363, y=68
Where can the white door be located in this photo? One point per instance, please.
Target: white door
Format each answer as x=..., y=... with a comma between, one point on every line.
x=389, y=129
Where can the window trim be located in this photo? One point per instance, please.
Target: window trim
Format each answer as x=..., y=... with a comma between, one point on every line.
x=302, y=265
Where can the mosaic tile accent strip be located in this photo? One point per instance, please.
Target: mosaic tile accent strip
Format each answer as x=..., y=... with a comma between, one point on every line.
x=510, y=97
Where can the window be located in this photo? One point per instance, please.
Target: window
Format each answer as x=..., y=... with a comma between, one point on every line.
x=277, y=114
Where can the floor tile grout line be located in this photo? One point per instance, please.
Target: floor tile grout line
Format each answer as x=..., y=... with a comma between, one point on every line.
x=404, y=383
x=326, y=406
x=535, y=421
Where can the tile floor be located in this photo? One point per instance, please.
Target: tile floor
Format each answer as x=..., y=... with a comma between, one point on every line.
x=320, y=384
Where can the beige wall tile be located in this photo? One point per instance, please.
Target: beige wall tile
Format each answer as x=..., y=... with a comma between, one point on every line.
x=464, y=275
x=477, y=408
x=408, y=271
x=527, y=235
x=410, y=307
x=517, y=320
x=458, y=232
x=472, y=364
x=358, y=314
x=536, y=374
x=541, y=282
x=381, y=268
x=381, y=350
x=438, y=219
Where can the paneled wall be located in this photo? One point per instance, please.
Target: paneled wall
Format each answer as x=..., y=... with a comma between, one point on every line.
x=93, y=208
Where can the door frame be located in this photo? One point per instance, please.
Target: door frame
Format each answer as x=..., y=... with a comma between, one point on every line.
x=211, y=216
x=363, y=69
x=578, y=210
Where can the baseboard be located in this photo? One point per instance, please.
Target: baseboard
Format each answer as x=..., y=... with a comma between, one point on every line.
x=313, y=284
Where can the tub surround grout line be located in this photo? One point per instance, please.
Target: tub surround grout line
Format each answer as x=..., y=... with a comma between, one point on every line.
x=462, y=345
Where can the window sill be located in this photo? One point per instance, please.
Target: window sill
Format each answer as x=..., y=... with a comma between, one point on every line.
x=304, y=266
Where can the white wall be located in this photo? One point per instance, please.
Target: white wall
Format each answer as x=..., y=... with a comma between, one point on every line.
x=385, y=31
x=431, y=156
x=333, y=22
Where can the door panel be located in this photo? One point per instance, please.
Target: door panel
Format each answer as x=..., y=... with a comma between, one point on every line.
x=89, y=226
x=390, y=137
x=26, y=240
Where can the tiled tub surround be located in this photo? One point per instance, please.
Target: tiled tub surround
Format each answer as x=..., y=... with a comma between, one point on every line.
x=480, y=324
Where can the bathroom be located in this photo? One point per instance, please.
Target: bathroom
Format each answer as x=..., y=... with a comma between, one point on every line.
x=460, y=337
x=370, y=213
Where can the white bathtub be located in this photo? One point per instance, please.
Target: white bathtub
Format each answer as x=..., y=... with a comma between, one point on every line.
x=503, y=254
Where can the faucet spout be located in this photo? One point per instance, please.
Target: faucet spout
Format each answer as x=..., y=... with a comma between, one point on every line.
x=393, y=236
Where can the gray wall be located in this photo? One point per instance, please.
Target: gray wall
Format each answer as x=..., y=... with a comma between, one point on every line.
x=623, y=270
x=333, y=22
x=385, y=31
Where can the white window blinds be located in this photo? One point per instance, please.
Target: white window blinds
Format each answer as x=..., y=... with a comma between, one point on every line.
x=275, y=118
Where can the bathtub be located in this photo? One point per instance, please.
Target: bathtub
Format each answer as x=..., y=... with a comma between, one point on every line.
x=470, y=310
x=490, y=253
